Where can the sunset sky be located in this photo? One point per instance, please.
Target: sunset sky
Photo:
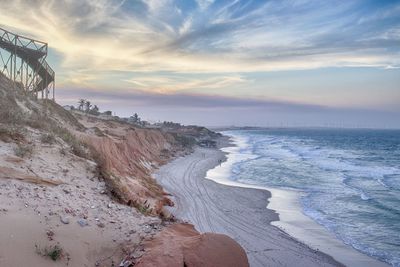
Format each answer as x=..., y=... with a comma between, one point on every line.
x=263, y=63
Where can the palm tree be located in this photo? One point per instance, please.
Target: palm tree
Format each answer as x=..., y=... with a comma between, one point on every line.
x=81, y=103
x=95, y=108
x=135, y=118
x=88, y=106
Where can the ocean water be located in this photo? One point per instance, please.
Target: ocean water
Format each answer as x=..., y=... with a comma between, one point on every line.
x=349, y=179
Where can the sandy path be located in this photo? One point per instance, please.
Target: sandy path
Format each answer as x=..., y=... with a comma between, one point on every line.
x=237, y=212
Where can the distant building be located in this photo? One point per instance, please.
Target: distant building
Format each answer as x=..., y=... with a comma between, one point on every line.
x=68, y=107
x=207, y=143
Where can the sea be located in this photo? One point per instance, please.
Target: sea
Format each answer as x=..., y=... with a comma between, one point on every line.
x=349, y=179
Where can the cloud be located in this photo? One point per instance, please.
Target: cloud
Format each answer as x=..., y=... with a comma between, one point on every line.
x=213, y=110
x=204, y=4
x=184, y=100
x=158, y=35
x=170, y=84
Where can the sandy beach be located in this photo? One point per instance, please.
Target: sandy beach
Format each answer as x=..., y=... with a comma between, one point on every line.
x=237, y=212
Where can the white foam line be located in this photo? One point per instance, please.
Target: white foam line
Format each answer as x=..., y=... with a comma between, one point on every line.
x=291, y=219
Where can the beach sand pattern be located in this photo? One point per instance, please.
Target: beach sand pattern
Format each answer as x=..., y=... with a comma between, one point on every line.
x=237, y=212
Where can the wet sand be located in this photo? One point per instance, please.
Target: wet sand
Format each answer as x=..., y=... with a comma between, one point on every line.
x=234, y=211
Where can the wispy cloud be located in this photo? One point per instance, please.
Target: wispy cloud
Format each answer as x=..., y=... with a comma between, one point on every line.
x=183, y=100
x=204, y=44
x=162, y=35
x=173, y=84
x=217, y=110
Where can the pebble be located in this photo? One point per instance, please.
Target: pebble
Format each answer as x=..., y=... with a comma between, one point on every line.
x=50, y=235
x=126, y=263
x=82, y=222
x=64, y=220
x=66, y=191
x=137, y=254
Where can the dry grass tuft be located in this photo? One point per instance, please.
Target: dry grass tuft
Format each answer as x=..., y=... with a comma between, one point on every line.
x=48, y=138
x=12, y=134
x=23, y=150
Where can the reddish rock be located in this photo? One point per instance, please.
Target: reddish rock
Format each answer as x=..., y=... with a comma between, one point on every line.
x=181, y=245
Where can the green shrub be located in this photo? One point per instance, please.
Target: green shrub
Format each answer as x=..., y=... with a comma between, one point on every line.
x=77, y=147
x=143, y=208
x=54, y=252
x=185, y=141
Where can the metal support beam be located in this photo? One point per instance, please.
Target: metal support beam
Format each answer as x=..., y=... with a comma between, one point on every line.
x=23, y=60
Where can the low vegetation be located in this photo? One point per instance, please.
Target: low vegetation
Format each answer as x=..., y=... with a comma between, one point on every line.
x=142, y=208
x=53, y=252
x=77, y=147
x=184, y=140
x=23, y=150
x=48, y=138
x=98, y=132
x=10, y=133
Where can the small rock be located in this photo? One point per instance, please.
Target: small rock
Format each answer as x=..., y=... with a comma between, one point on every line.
x=66, y=191
x=137, y=254
x=126, y=263
x=93, y=207
x=101, y=225
x=82, y=222
x=64, y=220
x=50, y=235
x=131, y=232
x=102, y=192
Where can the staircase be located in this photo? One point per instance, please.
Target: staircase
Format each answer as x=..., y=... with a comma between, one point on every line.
x=26, y=56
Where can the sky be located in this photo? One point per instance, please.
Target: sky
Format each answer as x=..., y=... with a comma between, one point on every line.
x=221, y=63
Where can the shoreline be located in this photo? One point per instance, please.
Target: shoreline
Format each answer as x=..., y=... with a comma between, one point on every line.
x=296, y=224
x=292, y=221
x=238, y=212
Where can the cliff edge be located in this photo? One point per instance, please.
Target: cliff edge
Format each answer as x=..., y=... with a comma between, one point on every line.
x=77, y=189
